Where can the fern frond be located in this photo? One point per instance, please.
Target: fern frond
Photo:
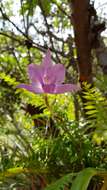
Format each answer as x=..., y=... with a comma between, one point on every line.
x=8, y=79
x=96, y=109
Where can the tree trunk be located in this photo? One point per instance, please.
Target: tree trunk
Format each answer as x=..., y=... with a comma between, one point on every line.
x=81, y=23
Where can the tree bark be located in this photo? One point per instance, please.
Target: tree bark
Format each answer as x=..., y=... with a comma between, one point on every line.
x=81, y=22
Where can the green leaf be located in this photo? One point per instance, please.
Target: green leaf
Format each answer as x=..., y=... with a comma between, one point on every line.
x=46, y=5
x=18, y=170
x=29, y=6
x=90, y=107
x=61, y=183
x=91, y=112
x=82, y=180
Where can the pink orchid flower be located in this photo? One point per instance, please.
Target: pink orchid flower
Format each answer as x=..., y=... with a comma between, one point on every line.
x=48, y=78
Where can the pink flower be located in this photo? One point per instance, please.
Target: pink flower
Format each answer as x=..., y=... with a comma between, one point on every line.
x=48, y=78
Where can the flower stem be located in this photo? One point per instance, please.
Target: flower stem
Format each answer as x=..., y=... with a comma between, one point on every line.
x=51, y=117
x=47, y=103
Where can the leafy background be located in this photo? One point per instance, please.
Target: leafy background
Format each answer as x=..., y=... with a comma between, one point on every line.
x=64, y=147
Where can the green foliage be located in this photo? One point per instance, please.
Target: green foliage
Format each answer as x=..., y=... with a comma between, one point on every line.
x=61, y=183
x=8, y=79
x=80, y=181
x=96, y=109
x=29, y=6
x=45, y=144
x=83, y=178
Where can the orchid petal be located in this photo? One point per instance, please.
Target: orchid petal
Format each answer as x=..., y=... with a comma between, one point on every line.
x=56, y=74
x=35, y=73
x=47, y=62
x=62, y=88
x=31, y=88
